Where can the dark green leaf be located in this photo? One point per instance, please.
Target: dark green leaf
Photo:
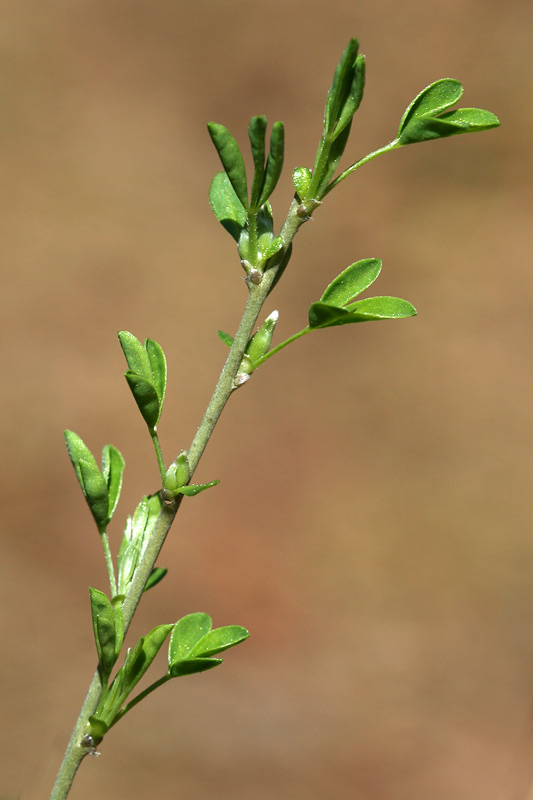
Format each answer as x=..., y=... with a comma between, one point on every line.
x=218, y=640
x=225, y=337
x=158, y=367
x=146, y=398
x=103, y=617
x=323, y=315
x=112, y=470
x=257, y=132
x=353, y=101
x=435, y=98
x=193, y=665
x=226, y=206
x=186, y=634
x=336, y=150
x=274, y=163
x=301, y=178
x=350, y=283
x=194, y=489
x=341, y=86
x=156, y=575
x=231, y=158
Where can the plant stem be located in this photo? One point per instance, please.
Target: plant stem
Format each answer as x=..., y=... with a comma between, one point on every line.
x=76, y=752
x=149, y=689
x=109, y=563
x=394, y=145
x=280, y=346
x=158, y=453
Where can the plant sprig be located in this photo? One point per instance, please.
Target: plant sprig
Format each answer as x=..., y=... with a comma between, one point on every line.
x=264, y=256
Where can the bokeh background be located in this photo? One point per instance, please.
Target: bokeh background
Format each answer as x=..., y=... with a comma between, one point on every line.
x=372, y=527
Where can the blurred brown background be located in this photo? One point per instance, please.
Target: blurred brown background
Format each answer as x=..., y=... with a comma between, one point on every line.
x=373, y=524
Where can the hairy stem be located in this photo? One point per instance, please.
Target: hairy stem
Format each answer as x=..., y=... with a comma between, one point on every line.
x=76, y=750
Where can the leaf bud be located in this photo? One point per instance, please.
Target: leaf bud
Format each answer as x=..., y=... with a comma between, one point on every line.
x=178, y=474
x=260, y=342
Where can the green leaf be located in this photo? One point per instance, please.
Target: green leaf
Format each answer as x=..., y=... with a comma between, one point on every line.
x=435, y=98
x=146, y=398
x=103, y=617
x=218, y=640
x=187, y=632
x=324, y=315
x=226, y=206
x=136, y=355
x=193, y=489
x=91, y=480
x=274, y=247
x=142, y=656
x=225, y=337
x=350, y=283
x=451, y=123
x=257, y=132
x=156, y=575
x=158, y=367
x=274, y=163
x=231, y=158
x=193, y=665
x=341, y=86
x=112, y=470
x=353, y=101
x=136, y=536
x=117, y=602
x=301, y=178
x=97, y=729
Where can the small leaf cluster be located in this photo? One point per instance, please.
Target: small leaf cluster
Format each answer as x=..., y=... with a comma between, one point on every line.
x=193, y=643
x=146, y=376
x=248, y=220
x=101, y=487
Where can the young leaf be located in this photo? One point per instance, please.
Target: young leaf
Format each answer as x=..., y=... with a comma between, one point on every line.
x=436, y=97
x=187, y=632
x=323, y=315
x=193, y=489
x=117, y=602
x=226, y=206
x=91, y=480
x=218, y=640
x=136, y=355
x=158, y=367
x=225, y=337
x=301, y=178
x=103, y=617
x=341, y=86
x=354, y=280
x=260, y=342
x=146, y=398
x=142, y=656
x=353, y=101
x=231, y=158
x=274, y=163
x=112, y=470
x=97, y=729
x=156, y=575
x=257, y=132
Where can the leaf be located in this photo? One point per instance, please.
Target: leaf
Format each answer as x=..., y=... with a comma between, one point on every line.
x=97, y=729
x=143, y=655
x=193, y=489
x=257, y=132
x=193, y=665
x=146, y=398
x=231, y=158
x=112, y=469
x=158, y=367
x=103, y=617
x=274, y=163
x=156, y=575
x=136, y=355
x=451, y=123
x=341, y=86
x=218, y=640
x=354, y=280
x=301, y=178
x=187, y=632
x=226, y=206
x=95, y=490
x=353, y=101
x=225, y=337
x=436, y=97
x=274, y=247
x=117, y=602
x=323, y=315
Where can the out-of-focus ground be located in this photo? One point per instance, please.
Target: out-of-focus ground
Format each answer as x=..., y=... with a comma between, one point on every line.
x=372, y=527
